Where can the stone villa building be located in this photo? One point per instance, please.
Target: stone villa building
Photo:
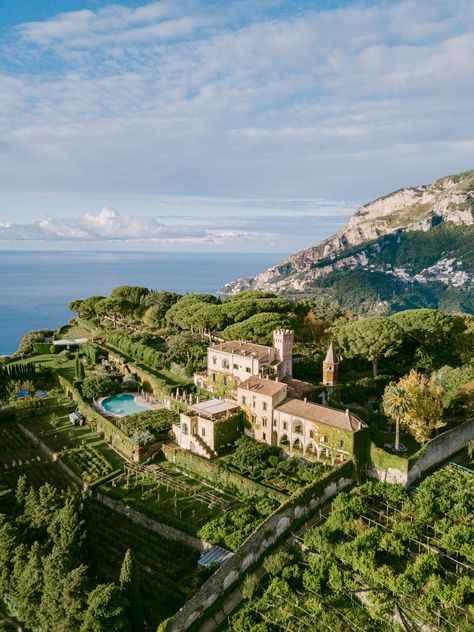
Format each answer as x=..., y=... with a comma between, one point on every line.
x=231, y=363
x=261, y=402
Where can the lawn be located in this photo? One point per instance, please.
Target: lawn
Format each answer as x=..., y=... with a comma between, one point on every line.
x=72, y=332
x=164, y=493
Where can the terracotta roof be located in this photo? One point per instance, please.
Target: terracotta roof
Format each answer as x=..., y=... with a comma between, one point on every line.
x=321, y=414
x=299, y=385
x=331, y=357
x=262, y=386
x=245, y=349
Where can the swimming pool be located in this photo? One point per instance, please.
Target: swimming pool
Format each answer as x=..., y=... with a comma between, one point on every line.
x=122, y=404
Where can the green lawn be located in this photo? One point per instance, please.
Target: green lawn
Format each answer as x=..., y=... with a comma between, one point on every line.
x=70, y=332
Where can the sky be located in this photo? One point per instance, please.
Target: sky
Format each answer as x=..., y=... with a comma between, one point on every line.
x=223, y=125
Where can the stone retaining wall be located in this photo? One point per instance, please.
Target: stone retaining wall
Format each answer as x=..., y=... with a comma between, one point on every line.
x=162, y=529
x=249, y=553
x=394, y=469
x=153, y=525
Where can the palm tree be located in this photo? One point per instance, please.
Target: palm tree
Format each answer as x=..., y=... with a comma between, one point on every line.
x=395, y=404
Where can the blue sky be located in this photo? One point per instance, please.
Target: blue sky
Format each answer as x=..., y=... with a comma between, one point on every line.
x=216, y=125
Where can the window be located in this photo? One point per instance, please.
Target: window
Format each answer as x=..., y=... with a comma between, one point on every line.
x=285, y=425
x=214, y=377
x=298, y=428
x=225, y=364
x=225, y=381
x=311, y=434
x=248, y=369
x=184, y=428
x=264, y=437
x=254, y=419
x=324, y=439
x=264, y=421
x=214, y=360
x=264, y=405
x=341, y=443
x=244, y=400
x=203, y=432
x=236, y=366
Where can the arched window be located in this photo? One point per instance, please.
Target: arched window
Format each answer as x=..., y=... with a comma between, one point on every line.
x=311, y=434
x=298, y=427
x=225, y=364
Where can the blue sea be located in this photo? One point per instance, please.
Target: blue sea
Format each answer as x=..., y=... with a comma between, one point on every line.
x=36, y=287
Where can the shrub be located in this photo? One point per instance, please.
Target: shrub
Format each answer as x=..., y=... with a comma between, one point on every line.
x=96, y=386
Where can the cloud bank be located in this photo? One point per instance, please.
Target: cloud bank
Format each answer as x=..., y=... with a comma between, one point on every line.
x=236, y=99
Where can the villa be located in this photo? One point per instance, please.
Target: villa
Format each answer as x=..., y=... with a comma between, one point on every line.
x=256, y=383
x=231, y=363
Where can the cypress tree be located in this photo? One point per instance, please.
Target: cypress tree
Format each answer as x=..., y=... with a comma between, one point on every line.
x=105, y=610
x=130, y=585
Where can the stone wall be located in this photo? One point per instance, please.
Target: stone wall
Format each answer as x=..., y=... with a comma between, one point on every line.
x=439, y=449
x=53, y=456
x=252, y=551
x=391, y=468
x=116, y=505
x=153, y=525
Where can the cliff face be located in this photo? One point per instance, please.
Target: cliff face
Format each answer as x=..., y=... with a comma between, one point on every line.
x=447, y=203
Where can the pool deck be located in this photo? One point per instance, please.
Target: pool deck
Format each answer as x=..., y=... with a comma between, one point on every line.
x=137, y=398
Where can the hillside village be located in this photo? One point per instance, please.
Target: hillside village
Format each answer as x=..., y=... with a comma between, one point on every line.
x=256, y=435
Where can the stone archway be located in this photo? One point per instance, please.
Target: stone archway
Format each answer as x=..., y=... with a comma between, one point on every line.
x=297, y=444
x=284, y=441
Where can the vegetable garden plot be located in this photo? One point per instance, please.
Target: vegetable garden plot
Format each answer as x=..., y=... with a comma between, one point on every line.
x=19, y=456
x=170, y=496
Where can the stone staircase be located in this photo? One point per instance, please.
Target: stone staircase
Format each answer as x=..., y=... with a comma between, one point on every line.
x=203, y=449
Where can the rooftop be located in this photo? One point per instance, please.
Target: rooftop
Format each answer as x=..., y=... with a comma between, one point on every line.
x=242, y=348
x=262, y=386
x=212, y=407
x=322, y=414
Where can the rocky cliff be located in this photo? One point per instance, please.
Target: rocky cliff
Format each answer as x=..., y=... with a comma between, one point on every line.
x=386, y=237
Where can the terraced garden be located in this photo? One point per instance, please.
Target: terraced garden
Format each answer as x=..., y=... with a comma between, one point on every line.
x=383, y=558
x=19, y=457
x=166, y=494
x=80, y=448
x=168, y=573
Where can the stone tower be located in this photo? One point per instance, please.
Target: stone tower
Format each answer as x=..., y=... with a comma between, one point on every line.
x=283, y=343
x=330, y=367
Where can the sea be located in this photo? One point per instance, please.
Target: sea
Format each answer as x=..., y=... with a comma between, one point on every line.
x=36, y=287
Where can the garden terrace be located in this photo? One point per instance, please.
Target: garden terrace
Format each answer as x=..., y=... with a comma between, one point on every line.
x=81, y=449
x=168, y=573
x=410, y=553
x=168, y=495
x=18, y=456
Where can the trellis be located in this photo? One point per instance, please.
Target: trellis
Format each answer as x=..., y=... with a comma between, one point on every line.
x=162, y=477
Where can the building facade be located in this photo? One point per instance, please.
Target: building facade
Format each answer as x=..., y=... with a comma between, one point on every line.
x=231, y=363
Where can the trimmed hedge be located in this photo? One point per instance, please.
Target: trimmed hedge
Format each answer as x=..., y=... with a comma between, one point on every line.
x=112, y=435
x=217, y=475
x=42, y=348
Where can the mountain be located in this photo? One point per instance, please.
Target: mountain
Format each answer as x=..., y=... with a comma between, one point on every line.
x=411, y=248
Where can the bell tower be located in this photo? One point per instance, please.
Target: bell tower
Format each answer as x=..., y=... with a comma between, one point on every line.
x=283, y=343
x=330, y=367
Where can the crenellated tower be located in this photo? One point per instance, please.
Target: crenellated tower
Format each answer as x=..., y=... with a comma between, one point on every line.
x=283, y=343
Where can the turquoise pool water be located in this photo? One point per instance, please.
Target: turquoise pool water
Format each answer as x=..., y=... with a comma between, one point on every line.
x=122, y=404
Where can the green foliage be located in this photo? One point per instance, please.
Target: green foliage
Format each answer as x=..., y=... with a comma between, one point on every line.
x=96, y=385
x=140, y=352
x=154, y=421
x=105, y=610
x=129, y=583
x=276, y=562
x=258, y=328
x=249, y=586
x=370, y=338
x=26, y=346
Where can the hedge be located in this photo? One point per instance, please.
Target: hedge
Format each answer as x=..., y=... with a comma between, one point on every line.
x=41, y=348
x=217, y=475
x=112, y=434
x=384, y=460
x=7, y=414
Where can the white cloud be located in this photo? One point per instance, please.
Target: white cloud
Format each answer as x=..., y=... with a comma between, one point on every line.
x=173, y=98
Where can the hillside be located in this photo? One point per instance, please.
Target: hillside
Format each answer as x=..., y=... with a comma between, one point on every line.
x=411, y=248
